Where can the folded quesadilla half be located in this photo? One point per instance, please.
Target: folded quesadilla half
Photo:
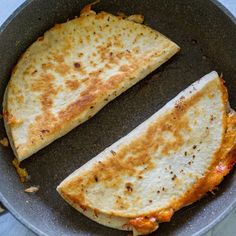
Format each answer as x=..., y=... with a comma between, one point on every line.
x=75, y=69
x=170, y=161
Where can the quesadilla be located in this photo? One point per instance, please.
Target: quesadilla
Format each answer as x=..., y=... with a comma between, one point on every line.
x=170, y=161
x=74, y=70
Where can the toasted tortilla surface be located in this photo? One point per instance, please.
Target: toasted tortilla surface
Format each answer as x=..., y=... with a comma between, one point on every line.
x=170, y=161
x=72, y=71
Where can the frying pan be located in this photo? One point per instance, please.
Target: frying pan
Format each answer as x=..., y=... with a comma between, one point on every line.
x=206, y=33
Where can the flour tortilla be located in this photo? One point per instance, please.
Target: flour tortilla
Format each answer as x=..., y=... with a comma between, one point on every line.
x=74, y=70
x=171, y=160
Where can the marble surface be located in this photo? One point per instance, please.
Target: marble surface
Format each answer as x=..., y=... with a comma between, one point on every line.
x=9, y=226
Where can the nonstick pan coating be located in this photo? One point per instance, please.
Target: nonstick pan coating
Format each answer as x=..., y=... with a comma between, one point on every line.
x=206, y=34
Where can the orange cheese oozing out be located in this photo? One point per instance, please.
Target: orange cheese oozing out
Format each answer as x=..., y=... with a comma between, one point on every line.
x=144, y=224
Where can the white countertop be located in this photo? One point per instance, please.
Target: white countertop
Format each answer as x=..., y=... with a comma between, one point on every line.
x=9, y=226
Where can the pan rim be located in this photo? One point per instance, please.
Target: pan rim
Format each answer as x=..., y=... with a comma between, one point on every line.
x=34, y=229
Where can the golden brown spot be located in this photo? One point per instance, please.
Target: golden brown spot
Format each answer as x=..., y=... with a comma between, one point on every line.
x=74, y=108
x=124, y=68
x=136, y=50
x=72, y=84
x=44, y=125
x=42, y=83
x=62, y=68
x=46, y=66
x=58, y=58
x=93, y=63
x=140, y=158
x=85, y=80
x=115, y=81
x=96, y=73
x=108, y=66
x=118, y=43
x=20, y=99
x=10, y=119
x=46, y=87
x=29, y=70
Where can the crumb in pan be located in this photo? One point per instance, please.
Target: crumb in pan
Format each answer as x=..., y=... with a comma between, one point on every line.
x=1, y=210
x=32, y=189
x=4, y=142
x=23, y=174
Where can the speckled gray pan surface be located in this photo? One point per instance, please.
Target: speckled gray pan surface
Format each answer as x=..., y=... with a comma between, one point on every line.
x=207, y=37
